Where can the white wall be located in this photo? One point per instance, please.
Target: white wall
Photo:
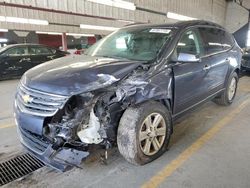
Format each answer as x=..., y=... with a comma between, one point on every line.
x=212, y=10
x=236, y=17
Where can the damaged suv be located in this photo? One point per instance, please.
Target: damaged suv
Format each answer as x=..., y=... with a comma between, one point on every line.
x=127, y=89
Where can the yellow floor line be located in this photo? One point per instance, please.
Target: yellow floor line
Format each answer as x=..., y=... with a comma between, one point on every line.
x=161, y=176
x=6, y=126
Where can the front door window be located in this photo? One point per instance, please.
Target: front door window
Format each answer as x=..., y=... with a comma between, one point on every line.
x=190, y=43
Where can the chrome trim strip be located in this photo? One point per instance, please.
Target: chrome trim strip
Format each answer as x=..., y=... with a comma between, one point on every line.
x=42, y=104
x=44, y=93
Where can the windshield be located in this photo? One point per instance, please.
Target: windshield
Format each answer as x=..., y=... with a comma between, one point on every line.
x=141, y=44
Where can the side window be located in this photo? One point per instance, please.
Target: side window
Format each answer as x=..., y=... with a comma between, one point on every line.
x=190, y=43
x=37, y=50
x=17, y=51
x=227, y=40
x=212, y=40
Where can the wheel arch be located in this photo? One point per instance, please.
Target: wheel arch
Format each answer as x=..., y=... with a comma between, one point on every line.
x=237, y=70
x=167, y=103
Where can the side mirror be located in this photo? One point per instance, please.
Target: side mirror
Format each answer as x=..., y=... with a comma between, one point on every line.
x=188, y=58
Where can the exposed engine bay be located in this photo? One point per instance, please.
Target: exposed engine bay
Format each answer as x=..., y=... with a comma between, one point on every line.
x=86, y=119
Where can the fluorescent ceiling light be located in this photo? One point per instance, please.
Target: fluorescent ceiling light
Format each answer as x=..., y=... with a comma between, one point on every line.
x=116, y=3
x=48, y=33
x=3, y=30
x=97, y=27
x=248, y=42
x=179, y=16
x=3, y=40
x=248, y=34
x=23, y=20
x=80, y=35
x=126, y=21
x=17, y=20
x=2, y=19
x=38, y=22
x=248, y=39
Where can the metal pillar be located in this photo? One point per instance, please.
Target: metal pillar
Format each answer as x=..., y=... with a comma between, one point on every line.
x=64, y=42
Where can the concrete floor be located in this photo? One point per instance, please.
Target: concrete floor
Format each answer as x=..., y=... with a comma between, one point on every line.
x=220, y=161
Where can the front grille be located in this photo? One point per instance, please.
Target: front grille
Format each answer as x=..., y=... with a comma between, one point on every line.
x=35, y=142
x=38, y=103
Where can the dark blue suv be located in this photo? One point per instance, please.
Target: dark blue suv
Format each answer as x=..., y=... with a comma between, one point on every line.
x=127, y=89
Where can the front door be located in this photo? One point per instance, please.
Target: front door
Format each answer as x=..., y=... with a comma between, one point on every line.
x=40, y=54
x=190, y=77
x=14, y=61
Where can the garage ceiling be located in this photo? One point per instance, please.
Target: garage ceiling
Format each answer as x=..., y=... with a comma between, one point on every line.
x=67, y=15
x=246, y=3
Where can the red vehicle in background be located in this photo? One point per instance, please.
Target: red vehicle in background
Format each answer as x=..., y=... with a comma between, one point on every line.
x=78, y=50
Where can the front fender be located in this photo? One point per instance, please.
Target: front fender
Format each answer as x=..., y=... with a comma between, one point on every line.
x=156, y=87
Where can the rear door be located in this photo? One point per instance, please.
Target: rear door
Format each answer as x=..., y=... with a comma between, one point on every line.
x=216, y=47
x=14, y=62
x=190, y=77
x=40, y=54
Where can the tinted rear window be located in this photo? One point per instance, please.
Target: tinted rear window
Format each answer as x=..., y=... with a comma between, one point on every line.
x=227, y=40
x=39, y=50
x=211, y=39
x=215, y=40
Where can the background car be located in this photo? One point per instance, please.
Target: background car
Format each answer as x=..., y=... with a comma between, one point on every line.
x=18, y=58
x=245, y=63
x=78, y=49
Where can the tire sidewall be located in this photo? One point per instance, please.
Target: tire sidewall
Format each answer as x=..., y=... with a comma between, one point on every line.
x=233, y=75
x=141, y=158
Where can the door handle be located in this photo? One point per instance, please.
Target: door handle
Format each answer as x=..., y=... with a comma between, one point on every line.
x=25, y=59
x=206, y=67
x=50, y=57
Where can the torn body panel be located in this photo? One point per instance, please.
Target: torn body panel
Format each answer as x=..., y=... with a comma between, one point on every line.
x=156, y=87
x=90, y=134
x=93, y=117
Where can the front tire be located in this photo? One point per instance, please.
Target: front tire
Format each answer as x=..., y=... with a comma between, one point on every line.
x=144, y=132
x=228, y=95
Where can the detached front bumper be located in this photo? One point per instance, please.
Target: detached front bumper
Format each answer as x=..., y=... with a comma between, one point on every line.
x=29, y=128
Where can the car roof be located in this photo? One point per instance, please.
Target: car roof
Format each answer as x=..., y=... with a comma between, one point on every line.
x=179, y=25
x=26, y=44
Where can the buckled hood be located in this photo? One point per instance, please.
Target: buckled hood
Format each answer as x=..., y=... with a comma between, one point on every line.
x=75, y=74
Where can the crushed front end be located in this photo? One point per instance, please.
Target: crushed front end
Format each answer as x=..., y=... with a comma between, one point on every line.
x=59, y=129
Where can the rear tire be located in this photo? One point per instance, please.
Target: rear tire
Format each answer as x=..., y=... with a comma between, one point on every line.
x=144, y=132
x=228, y=95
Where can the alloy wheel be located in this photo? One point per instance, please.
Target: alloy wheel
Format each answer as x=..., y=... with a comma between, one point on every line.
x=232, y=88
x=152, y=134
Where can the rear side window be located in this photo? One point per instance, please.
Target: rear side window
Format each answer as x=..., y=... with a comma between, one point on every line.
x=215, y=40
x=17, y=51
x=211, y=39
x=227, y=40
x=38, y=50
